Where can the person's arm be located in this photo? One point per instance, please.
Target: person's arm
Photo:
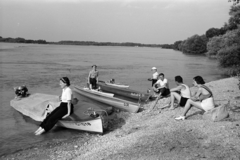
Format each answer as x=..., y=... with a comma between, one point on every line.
x=69, y=103
x=178, y=88
x=196, y=96
x=69, y=109
x=97, y=76
x=89, y=77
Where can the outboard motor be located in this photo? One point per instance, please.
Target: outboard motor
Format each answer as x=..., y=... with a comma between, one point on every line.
x=21, y=91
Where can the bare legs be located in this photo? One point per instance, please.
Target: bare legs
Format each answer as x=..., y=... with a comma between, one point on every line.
x=174, y=96
x=187, y=107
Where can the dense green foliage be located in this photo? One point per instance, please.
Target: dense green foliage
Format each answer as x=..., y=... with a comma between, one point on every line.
x=193, y=45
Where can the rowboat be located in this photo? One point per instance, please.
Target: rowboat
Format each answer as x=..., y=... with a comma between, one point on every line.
x=117, y=85
x=91, y=125
x=98, y=92
x=36, y=107
x=126, y=92
x=112, y=101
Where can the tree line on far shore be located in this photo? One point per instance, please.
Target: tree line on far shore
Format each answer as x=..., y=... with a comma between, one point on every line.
x=220, y=43
x=130, y=44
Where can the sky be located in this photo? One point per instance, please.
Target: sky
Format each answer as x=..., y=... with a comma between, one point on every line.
x=138, y=21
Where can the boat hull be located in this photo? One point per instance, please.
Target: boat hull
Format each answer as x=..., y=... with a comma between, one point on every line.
x=124, y=92
x=35, y=107
x=94, y=125
x=114, y=102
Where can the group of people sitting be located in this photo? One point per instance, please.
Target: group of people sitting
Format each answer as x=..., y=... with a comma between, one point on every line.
x=202, y=99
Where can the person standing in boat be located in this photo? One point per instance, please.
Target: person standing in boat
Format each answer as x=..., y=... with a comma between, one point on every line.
x=93, y=78
x=154, y=76
x=64, y=110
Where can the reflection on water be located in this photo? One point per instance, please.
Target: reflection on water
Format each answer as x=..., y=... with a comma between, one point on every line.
x=40, y=67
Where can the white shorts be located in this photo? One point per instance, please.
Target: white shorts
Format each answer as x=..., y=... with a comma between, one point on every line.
x=208, y=104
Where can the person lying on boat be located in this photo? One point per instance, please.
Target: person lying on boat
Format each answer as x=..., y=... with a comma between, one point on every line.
x=93, y=78
x=202, y=100
x=64, y=110
x=161, y=87
x=181, y=93
x=154, y=76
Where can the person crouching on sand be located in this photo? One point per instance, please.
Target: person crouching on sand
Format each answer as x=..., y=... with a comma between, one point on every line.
x=64, y=110
x=202, y=100
x=184, y=91
x=93, y=78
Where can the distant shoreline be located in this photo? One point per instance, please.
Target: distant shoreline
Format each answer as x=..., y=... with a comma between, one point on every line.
x=83, y=43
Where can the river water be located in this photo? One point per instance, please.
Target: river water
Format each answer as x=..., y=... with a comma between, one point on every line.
x=40, y=67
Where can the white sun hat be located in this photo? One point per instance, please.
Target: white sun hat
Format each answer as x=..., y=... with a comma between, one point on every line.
x=154, y=68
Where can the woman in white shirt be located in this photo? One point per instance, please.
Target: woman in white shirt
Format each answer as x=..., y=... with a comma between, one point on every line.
x=63, y=111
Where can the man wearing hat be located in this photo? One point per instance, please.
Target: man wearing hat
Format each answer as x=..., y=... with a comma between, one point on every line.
x=154, y=76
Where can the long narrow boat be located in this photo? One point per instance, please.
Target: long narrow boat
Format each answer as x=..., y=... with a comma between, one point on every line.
x=117, y=85
x=114, y=102
x=98, y=92
x=126, y=92
x=35, y=106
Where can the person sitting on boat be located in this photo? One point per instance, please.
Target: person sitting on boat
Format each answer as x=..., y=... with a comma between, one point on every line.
x=161, y=86
x=154, y=76
x=93, y=78
x=64, y=110
x=181, y=93
x=202, y=100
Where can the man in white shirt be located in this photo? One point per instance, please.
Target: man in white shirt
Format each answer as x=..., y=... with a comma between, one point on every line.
x=161, y=86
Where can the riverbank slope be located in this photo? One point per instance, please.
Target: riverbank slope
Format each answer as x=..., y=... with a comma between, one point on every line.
x=156, y=135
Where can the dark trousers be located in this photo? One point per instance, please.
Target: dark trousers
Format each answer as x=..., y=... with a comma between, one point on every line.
x=164, y=91
x=49, y=122
x=93, y=82
x=154, y=81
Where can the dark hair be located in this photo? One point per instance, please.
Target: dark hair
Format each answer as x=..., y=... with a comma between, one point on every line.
x=161, y=74
x=65, y=80
x=178, y=79
x=94, y=65
x=199, y=80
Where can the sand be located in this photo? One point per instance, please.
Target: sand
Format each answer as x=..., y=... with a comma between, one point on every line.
x=154, y=134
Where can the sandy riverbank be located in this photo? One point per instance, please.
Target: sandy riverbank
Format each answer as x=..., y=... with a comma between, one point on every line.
x=156, y=135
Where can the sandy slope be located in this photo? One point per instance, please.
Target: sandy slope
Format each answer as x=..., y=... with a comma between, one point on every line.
x=156, y=135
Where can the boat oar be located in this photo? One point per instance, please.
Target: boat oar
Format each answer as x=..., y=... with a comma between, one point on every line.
x=158, y=97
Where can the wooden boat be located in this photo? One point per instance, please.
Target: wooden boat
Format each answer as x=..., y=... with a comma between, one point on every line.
x=91, y=125
x=126, y=92
x=117, y=85
x=112, y=101
x=98, y=92
x=35, y=106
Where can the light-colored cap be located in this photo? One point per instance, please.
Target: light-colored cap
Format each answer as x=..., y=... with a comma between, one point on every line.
x=154, y=68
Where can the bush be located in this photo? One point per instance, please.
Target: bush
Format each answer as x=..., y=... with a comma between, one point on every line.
x=217, y=43
x=230, y=58
x=194, y=45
